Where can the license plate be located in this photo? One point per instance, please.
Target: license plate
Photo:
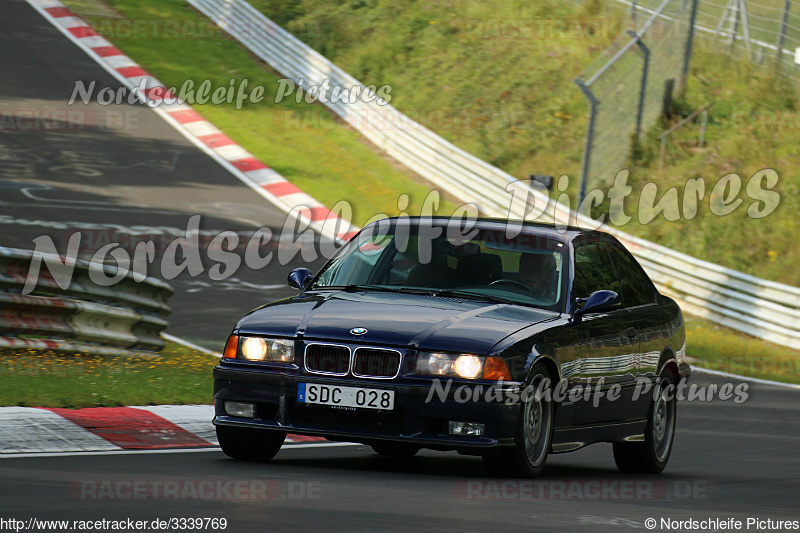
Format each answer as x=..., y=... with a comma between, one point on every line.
x=345, y=396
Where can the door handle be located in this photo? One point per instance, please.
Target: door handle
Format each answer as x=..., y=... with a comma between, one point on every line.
x=631, y=334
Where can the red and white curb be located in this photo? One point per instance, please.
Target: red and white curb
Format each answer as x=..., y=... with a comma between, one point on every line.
x=25, y=430
x=28, y=430
x=238, y=161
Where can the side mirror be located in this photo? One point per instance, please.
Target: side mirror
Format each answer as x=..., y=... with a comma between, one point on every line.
x=598, y=302
x=299, y=278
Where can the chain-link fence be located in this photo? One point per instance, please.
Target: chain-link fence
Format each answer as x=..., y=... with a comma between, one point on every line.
x=768, y=31
x=765, y=30
x=628, y=85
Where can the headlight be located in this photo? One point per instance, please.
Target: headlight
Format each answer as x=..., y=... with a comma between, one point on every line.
x=281, y=351
x=469, y=366
x=453, y=365
x=254, y=348
x=260, y=349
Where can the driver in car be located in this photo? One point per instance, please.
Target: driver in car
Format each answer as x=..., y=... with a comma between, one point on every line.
x=538, y=271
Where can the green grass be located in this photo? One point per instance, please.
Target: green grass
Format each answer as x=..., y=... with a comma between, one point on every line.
x=177, y=375
x=508, y=98
x=496, y=80
x=489, y=63
x=753, y=125
x=303, y=142
x=529, y=116
x=719, y=348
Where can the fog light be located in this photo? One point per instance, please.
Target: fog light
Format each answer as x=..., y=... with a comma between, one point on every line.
x=240, y=409
x=470, y=429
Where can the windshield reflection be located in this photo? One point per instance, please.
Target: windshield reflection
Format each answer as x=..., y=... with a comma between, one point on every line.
x=524, y=269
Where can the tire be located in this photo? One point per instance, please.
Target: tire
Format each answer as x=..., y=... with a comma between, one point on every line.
x=652, y=455
x=534, y=432
x=395, y=449
x=250, y=444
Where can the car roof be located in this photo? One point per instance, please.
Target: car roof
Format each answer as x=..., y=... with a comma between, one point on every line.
x=563, y=234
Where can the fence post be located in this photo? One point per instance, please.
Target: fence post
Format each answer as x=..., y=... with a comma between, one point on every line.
x=782, y=37
x=687, y=56
x=587, y=153
x=702, y=140
x=748, y=42
x=734, y=27
x=643, y=87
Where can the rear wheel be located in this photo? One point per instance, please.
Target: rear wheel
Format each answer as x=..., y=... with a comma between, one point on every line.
x=395, y=449
x=534, y=432
x=651, y=456
x=250, y=444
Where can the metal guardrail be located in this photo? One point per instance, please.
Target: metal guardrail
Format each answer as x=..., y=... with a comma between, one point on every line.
x=461, y=174
x=123, y=318
x=755, y=306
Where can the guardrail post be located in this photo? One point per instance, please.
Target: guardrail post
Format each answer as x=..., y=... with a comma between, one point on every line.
x=587, y=153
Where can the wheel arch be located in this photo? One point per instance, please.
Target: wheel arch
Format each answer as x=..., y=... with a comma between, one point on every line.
x=549, y=364
x=668, y=362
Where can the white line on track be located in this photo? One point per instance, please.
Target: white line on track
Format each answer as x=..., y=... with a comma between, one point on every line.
x=182, y=450
x=701, y=370
x=191, y=345
x=282, y=203
x=158, y=110
x=88, y=208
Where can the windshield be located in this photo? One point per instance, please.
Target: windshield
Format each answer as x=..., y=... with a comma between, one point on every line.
x=485, y=264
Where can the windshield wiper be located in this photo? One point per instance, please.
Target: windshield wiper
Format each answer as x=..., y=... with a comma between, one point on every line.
x=349, y=288
x=378, y=288
x=444, y=293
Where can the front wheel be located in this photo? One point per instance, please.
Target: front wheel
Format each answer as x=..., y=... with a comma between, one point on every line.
x=534, y=432
x=651, y=456
x=250, y=444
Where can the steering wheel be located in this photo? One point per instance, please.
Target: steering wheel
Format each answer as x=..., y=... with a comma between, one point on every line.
x=513, y=282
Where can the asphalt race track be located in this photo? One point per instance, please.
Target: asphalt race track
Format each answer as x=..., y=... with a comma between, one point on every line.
x=129, y=169
x=118, y=165
x=729, y=461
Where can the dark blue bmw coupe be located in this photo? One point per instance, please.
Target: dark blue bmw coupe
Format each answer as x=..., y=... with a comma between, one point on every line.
x=506, y=340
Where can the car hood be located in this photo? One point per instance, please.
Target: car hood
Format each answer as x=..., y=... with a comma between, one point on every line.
x=392, y=319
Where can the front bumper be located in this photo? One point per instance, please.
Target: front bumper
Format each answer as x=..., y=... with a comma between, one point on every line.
x=415, y=419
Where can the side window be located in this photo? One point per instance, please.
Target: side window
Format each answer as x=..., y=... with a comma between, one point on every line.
x=635, y=287
x=593, y=270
